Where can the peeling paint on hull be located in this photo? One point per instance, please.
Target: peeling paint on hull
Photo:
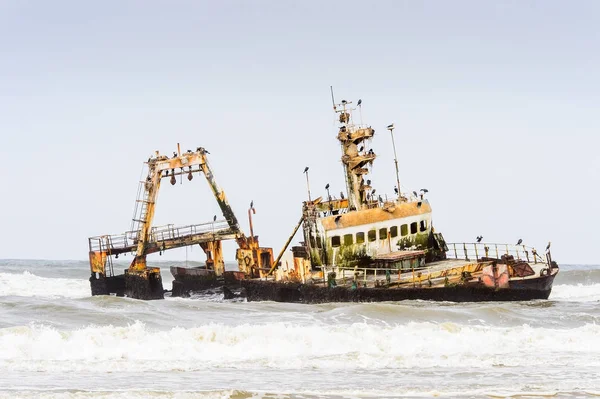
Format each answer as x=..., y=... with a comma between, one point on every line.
x=256, y=290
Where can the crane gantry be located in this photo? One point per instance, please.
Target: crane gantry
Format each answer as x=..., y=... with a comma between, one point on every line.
x=144, y=282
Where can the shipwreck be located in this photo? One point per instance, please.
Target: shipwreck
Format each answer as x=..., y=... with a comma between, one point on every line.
x=361, y=246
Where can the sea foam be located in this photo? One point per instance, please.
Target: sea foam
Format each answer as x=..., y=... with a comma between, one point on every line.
x=576, y=292
x=293, y=346
x=27, y=284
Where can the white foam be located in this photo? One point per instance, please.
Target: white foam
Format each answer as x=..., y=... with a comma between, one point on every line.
x=576, y=293
x=288, y=346
x=27, y=284
x=130, y=394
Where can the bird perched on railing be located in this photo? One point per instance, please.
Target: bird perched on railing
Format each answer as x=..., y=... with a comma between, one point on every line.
x=479, y=238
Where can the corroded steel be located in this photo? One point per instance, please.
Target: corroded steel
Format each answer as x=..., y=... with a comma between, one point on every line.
x=352, y=230
x=214, y=255
x=356, y=157
x=353, y=219
x=287, y=243
x=184, y=163
x=144, y=239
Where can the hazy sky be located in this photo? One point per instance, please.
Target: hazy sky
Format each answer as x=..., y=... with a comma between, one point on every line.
x=495, y=103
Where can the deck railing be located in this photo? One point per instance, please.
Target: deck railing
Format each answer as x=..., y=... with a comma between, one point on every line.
x=475, y=251
x=368, y=275
x=128, y=239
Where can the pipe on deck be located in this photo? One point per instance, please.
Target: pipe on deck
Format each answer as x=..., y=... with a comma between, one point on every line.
x=287, y=243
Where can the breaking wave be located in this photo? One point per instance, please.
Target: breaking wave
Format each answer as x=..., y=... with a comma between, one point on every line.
x=576, y=292
x=28, y=284
x=578, y=275
x=127, y=394
x=292, y=346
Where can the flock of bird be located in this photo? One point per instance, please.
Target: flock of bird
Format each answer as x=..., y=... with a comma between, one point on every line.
x=519, y=242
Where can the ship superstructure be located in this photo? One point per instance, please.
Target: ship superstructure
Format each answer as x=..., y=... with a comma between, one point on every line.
x=363, y=224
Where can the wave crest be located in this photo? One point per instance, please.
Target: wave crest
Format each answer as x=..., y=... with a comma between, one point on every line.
x=28, y=284
x=290, y=346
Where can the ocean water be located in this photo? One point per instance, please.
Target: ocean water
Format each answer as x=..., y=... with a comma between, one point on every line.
x=56, y=341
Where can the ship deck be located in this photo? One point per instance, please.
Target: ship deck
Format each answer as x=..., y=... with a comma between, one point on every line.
x=434, y=272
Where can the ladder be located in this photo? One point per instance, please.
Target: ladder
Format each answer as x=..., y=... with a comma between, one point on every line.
x=140, y=210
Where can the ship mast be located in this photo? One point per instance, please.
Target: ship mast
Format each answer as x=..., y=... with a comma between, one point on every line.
x=356, y=157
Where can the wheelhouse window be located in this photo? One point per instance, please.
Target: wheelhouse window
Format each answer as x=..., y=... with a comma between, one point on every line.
x=319, y=242
x=383, y=233
x=312, y=241
x=423, y=225
x=335, y=241
x=413, y=228
x=404, y=230
x=348, y=239
x=372, y=235
x=360, y=237
x=394, y=231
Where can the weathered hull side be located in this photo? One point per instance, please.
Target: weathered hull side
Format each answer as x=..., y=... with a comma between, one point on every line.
x=192, y=279
x=257, y=290
x=102, y=285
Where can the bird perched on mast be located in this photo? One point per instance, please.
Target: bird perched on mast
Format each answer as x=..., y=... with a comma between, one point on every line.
x=519, y=242
x=359, y=102
x=306, y=169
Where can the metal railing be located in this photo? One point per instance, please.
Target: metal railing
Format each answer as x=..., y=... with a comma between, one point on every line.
x=475, y=251
x=366, y=275
x=110, y=243
x=170, y=232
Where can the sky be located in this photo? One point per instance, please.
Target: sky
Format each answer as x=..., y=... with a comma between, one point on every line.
x=495, y=106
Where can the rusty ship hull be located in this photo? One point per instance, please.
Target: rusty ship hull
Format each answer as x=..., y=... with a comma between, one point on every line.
x=518, y=290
